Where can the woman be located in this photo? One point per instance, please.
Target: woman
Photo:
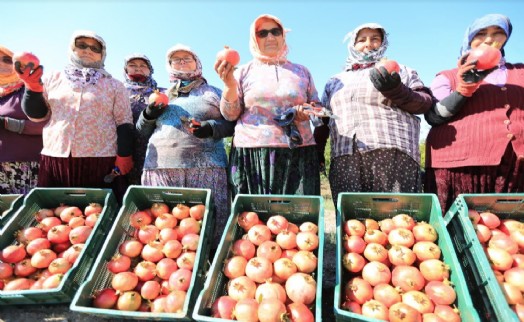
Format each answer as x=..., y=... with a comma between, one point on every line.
x=476, y=144
x=273, y=148
x=374, y=140
x=140, y=84
x=185, y=146
x=90, y=128
x=20, y=138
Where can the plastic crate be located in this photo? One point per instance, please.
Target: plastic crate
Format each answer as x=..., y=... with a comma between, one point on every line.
x=485, y=290
x=139, y=198
x=422, y=207
x=40, y=198
x=9, y=204
x=297, y=209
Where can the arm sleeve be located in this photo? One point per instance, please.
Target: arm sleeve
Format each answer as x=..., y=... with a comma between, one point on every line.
x=125, y=139
x=35, y=106
x=448, y=102
x=144, y=126
x=414, y=101
x=441, y=112
x=222, y=128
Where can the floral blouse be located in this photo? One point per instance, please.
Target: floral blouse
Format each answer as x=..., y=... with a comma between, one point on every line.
x=83, y=120
x=266, y=91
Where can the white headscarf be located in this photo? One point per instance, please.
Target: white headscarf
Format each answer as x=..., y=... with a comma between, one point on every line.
x=358, y=57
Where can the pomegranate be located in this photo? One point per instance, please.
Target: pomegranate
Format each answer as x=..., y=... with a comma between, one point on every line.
x=390, y=65
x=158, y=98
x=197, y=212
x=105, y=299
x=486, y=56
x=230, y=55
x=223, y=307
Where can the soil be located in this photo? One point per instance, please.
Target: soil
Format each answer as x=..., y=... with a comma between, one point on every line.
x=61, y=312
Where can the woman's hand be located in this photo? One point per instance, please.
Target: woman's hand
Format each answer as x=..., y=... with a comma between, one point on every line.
x=225, y=72
x=303, y=112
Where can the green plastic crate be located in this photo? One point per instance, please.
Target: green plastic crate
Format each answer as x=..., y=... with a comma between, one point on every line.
x=40, y=198
x=297, y=209
x=485, y=290
x=10, y=204
x=139, y=198
x=422, y=207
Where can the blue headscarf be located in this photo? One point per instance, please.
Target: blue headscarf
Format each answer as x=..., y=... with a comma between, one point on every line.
x=373, y=56
x=493, y=19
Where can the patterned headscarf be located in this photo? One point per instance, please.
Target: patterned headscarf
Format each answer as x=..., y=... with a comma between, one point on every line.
x=484, y=22
x=358, y=57
x=183, y=81
x=9, y=82
x=280, y=58
x=145, y=87
x=80, y=73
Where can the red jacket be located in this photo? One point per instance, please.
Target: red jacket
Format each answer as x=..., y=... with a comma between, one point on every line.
x=479, y=134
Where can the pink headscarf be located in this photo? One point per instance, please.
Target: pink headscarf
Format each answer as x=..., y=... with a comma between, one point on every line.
x=280, y=58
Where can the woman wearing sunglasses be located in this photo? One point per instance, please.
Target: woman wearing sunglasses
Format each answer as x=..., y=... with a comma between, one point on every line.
x=374, y=142
x=476, y=144
x=140, y=84
x=90, y=125
x=185, y=146
x=268, y=96
x=20, y=138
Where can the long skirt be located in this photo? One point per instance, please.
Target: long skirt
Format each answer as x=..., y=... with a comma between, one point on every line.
x=81, y=173
x=275, y=171
x=507, y=177
x=381, y=170
x=206, y=178
x=18, y=177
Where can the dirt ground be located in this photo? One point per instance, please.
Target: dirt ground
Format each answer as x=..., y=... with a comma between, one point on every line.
x=61, y=312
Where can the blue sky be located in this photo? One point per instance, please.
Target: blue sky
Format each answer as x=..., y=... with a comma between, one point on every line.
x=425, y=35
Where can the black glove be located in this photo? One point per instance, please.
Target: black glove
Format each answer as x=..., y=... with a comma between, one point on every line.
x=384, y=81
x=474, y=75
x=152, y=111
x=201, y=130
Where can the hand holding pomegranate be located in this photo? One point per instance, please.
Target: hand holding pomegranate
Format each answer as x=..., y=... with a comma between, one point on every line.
x=385, y=77
x=225, y=64
x=28, y=67
x=157, y=103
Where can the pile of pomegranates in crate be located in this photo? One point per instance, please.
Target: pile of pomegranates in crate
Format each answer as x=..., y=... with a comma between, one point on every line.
x=152, y=271
x=395, y=271
x=271, y=271
x=43, y=253
x=503, y=244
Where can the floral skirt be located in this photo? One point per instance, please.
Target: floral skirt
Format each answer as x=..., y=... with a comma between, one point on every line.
x=206, y=178
x=507, y=177
x=275, y=171
x=381, y=170
x=18, y=177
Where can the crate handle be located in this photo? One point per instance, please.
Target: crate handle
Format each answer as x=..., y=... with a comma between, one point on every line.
x=509, y=200
x=279, y=201
x=172, y=193
x=76, y=194
x=385, y=199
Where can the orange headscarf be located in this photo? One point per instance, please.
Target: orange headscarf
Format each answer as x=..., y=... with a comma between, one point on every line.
x=253, y=45
x=9, y=82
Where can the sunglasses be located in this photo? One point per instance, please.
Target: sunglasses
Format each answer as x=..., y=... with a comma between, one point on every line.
x=178, y=61
x=7, y=60
x=82, y=45
x=263, y=33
